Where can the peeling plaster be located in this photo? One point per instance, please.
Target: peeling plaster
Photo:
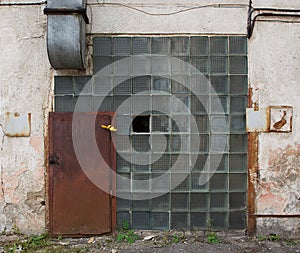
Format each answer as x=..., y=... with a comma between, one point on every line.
x=281, y=181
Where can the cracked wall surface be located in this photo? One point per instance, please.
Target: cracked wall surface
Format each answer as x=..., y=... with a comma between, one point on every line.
x=274, y=62
x=25, y=80
x=26, y=86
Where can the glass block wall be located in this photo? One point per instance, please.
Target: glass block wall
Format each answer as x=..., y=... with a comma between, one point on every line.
x=221, y=202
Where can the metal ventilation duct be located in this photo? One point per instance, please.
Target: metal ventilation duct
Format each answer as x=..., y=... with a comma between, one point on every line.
x=66, y=43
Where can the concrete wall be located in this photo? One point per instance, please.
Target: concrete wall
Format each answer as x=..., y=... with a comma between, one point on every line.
x=26, y=86
x=274, y=62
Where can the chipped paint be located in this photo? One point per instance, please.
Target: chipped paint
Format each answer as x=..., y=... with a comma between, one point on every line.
x=37, y=143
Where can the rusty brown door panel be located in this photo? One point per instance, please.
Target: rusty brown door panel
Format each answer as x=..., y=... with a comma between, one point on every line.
x=77, y=207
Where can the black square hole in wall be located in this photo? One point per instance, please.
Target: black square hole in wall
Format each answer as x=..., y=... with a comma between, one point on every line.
x=141, y=124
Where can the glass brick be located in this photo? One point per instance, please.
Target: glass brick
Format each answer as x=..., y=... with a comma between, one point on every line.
x=121, y=45
x=218, y=220
x=123, y=143
x=160, y=221
x=218, y=182
x=237, y=200
x=199, y=201
x=196, y=184
x=199, y=84
x=199, y=143
x=180, y=104
x=238, y=84
x=141, y=65
x=161, y=104
x=160, y=143
x=238, y=45
x=64, y=104
x=121, y=87
x=141, y=182
x=121, y=218
x=180, y=143
x=199, y=45
x=200, y=124
x=141, y=45
x=102, y=46
x=141, y=84
x=83, y=103
x=238, y=182
x=83, y=85
x=140, y=143
x=123, y=124
x=160, y=45
x=123, y=163
x=219, y=104
x=201, y=64
x=180, y=163
x=218, y=162
x=238, y=64
x=160, y=123
x=141, y=104
x=160, y=183
x=218, y=45
x=160, y=84
x=219, y=124
x=237, y=220
x=102, y=85
x=199, y=104
x=198, y=220
x=63, y=85
x=161, y=65
x=102, y=104
x=123, y=182
x=181, y=182
x=218, y=201
x=179, y=220
x=238, y=143
x=219, y=143
x=140, y=205
x=103, y=64
x=123, y=204
x=180, y=84
x=122, y=104
x=219, y=84
x=238, y=123
x=161, y=203
x=162, y=164
x=141, y=163
x=218, y=65
x=200, y=162
x=140, y=220
x=180, y=201
x=238, y=104
x=238, y=163
x=180, y=45
x=122, y=66
x=180, y=123
x=180, y=65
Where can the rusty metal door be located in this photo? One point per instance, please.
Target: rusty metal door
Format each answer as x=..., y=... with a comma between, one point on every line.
x=77, y=205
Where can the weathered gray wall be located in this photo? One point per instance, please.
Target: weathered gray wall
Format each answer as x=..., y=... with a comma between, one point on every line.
x=26, y=86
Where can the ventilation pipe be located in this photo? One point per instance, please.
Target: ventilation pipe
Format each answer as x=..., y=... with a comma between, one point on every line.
x=66, y=33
